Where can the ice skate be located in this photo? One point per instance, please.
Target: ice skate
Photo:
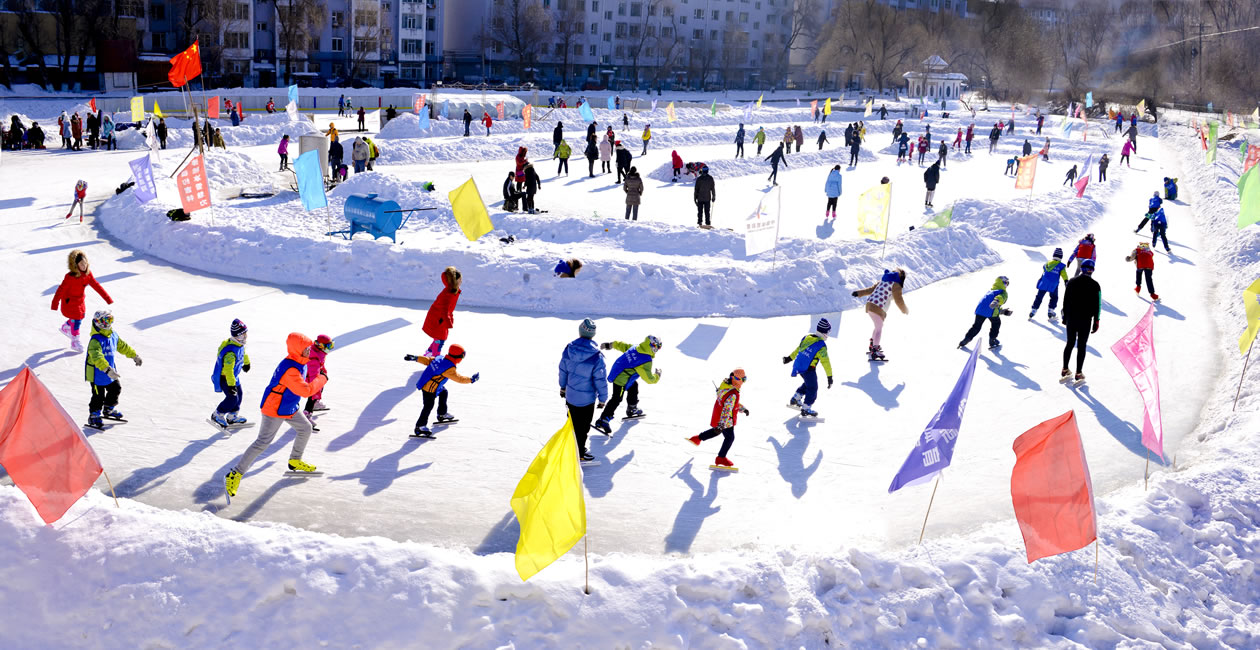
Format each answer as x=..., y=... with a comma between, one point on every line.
x=446, y=418
x=695, y=440
x=795, y=402
x=65, y=329
x=1065, y=375
x=1052, y=316
x=298, y=465
x=601, y=425
x=236, y=420
x=95, y=421
x=634, y=413
x=76, y=344
x=111, y=413
x=994, y=344
x=1155, y=297
x=218, y=420
x=422, y=432
x=231, y=482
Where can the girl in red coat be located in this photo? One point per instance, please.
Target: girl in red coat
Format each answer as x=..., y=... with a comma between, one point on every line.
x=80, y=193
x=441, y=316
x=678, y=164
x=69, y=296
x=726, y=410
x=1144, y=258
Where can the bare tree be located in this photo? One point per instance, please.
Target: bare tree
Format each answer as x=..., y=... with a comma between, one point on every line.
x=734, y=54
x=294, y=21
x=570, y=24
x=29, y=14
x=872, y=36
x=670, y=46
x=365, y=31
x=520, y=27
x=802, y=34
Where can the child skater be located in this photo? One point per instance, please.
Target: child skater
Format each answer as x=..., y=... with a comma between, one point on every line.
x=100, y=371
x=888, y=288
x=314, y=368
x=228, y=364
x=69, y=296
x=80, y=193
x=1144, y=259
x=805, y=359
x=441, y=316
x=726, y=410
x=432, y=386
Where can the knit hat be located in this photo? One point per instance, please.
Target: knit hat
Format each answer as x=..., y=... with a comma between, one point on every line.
x=587, y=329
x=824, y=327
x=238, y=327
x=1058, y=253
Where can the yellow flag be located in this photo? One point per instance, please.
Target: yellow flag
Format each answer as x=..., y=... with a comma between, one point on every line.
x=1255, y=115
x=873, y=211
x=827, y=107
x=549, y=504
x=1251, y=302
x=1141, y=109
x=870, y=103
x=470, y=211
x=763, y=96
x=669, y=111
x=137, y=109
x=157, y=110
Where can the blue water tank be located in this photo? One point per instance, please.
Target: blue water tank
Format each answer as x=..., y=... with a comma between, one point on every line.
x=378, y=217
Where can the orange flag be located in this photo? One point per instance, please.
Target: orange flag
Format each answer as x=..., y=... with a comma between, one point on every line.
x=500, y=109
x=194, y=188
x=92, y=104
x=1051, y=490
x=42, y=449
x=1027, y=171
x=185, y=66
x=527, y=114
x=212, y=109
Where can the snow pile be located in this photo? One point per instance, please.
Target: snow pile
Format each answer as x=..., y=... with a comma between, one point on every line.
x=255, y=130
x=1053, y=220
x=731, y=167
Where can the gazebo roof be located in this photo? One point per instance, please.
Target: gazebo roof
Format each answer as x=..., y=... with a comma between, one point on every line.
x=935, y=61
x=936, y=76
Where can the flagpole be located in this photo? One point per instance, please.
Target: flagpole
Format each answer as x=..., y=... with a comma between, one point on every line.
x=929, y=508
x=1244, y=374
x=1146, y=479
x=587, y=558
x=1095, y=559
x=111, y=487
x=887, y=226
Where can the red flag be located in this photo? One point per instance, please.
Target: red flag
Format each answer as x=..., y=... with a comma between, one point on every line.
x=185, y=66
x=194, y=189
x=42, y=449
x=92, y=104
x=1253, y=157
x=500, y=108
x=1051, y=490
x=212, y=109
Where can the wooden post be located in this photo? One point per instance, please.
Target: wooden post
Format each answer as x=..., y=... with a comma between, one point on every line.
x=1146, y=478
x=1244, y=373
x=929, y=508
x=586, y=557
x=111, y=487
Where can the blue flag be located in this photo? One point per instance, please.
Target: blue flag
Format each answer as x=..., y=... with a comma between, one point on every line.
x=293, y=94
x=935, y=449
x=424, y=119
x=586, y=112
x=1209, y=107
x=612, y=103
x=142, y=170
x=310, y=176
x=446, y=110
x=1089, y=99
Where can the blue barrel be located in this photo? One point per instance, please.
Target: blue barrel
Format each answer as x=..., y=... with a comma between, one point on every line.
x=365, y=212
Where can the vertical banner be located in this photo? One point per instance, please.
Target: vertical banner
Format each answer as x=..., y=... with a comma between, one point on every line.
x=157, y=110
x=1083, y=177
x=587, y=114
x=446, y=110
x=1051, y=490
x=145, y=189
x=872, y=211
x=194, y=189
x=425, y=124
x=137, y=109
x=212, y=108
x=1141, y=108
x=151, y=139
x=310, y=178
x=713, y=108
x=418, y=103
x=813, y=109
x=1211, y=141
x=653, y=105
x=1136, y=351
x=501, y=109
x=669, y=112
x=763, y=96
x=748, y=112
x=293, y=94
x=935, y=449
x=612, y=103
x=1249, y=197
x=827, y=107
x=1089, y=99
x=761, y=228
x=527, y=114
x=1251, y=306
x=1253, y=156
x=1027, y=172
x=870, y=103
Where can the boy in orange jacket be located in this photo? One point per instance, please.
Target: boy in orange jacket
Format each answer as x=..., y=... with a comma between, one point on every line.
x=432, y=385
x=726, y=410
x=281, y=401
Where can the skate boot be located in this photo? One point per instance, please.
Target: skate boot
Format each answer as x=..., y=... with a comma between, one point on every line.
x=423, y=431
x=1052, y=316
x=76, y=345
x=446, y=417
x=94, y=420
x=877, y=354
x=112, y=413
x=795, y=402
x=634, y=412
x=994, y=343
x=234, y=419
x=1064, y=373
x=65, y=329
x=232, y=481
x=1080, y=377
x=1137, y=289
x=318, y=406
x=695, y=440
x=1031, y=314
x=297, y=465
x=807, y=412
x=218, y=419
x=723, y=461
x=586, y=457
x=1155, y=297
x=601, y=425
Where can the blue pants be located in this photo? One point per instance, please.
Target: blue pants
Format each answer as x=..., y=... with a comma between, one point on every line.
x=1054, y=299
x=359, y=166
x=231, y=399
x=809, y=387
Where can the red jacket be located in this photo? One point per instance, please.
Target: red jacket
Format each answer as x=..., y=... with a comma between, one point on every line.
x=677, y=159
x=1143, y=257
x=70, y=295
x=441, y=316
x=486, y=120
x=730, y=393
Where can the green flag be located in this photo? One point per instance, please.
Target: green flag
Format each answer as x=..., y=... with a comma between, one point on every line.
x=713, y=109
x=1249, y=197
x=1211, y=152
x=941, y=220
x=1242, y=151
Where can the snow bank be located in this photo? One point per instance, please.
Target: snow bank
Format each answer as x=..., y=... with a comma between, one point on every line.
x=728, y=168
x=632, y=269
x=255, y=130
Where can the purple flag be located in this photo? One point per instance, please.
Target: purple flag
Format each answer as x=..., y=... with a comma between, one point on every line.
x=142, y=170
x=935, y=449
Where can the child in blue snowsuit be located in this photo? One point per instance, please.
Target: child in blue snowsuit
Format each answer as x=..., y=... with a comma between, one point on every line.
x=1051, y=273
x=634, y=363
x=1170, y=188
x=805, y=359
x=1159, y=230
x=990, y=308
x=1151, y=206
x=228, y=364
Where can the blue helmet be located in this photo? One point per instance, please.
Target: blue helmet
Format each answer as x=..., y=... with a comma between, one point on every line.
x=1087, y=266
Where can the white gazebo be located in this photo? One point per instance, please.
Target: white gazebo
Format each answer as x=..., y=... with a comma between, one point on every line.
x=937, y=82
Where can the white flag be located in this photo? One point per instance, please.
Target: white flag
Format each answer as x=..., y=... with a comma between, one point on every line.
x=291, y=109
x=761, y=229
x=150, y=138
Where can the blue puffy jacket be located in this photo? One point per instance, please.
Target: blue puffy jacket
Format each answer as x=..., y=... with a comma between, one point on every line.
x=582, y=373
x=833, y=186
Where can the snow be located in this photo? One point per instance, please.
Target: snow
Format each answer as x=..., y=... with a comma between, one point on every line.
x=802, y=548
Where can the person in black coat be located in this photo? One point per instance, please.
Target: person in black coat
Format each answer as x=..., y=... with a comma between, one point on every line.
x=854, y=147
x=994, y=134
x=1027, y=147
x=775, y=158
x=161, y=131
x=533, y=185
x=592, y=154
x=557, y=135
x=590, y=131
x=705, y=194
x=1082, y=306
x=623, y=161
x=510, y=194
x=822, y=138
x=467, y=121
x=335, y=153
x=930, y=178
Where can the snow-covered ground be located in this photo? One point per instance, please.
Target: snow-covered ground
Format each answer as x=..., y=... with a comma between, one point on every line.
x=802, y=548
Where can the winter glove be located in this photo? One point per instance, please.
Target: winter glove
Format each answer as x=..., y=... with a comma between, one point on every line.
x=600, y=405
x=1095, y=328
x=475, y=377
x=854, y=294
x=658, y=373
x=605, y=346
x=829, y=382
x=112, y=374
x=245, y=367
x=787, y=360
x=1007, y=312
x=562, y=393
x=744, y=410
x=410, y=357
x=138, y=360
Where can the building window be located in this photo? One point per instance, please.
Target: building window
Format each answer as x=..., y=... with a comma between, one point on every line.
x=239, y=11
x=336, y=44
x=261, y=27
x=159, y=40
x=364, y=45
x=621, y=30
x=430, y=23
x=338, y=19
x=636, y=9
x=158, y=12
x=410, y=21
x=428, y=47
x=716, y=14
x=621, y=51
x=607, y=37
x=592, y=51
x=713, y=35
x=577, y=49
x=699, y=14
x=236, y=40
x=594, y=28
x=697, y=34
x=621, y=9
x=412, y=46
x=743, y=17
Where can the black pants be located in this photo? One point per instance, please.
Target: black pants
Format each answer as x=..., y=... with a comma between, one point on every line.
x=831, y=203
x=739, y=149
x=564, y=166
x=995, y=324
x=632, y=400
x=1124, y=158
x=284, y=161
x=1068, y=180
x=1078, y=337
x=992, y=144
x=1158, y=233
x=798, y=147
x=774, y=174
x=466, y=125
x=590, y=166
x=759, y=149
x=703, y=212
x=528, y=203
x=429, y=398
x=644, y=148
x=605, y=166
x=1038, y=129
x=622, y=172
x=104, y=396
x=1145, y=219
x=968, y=146
x=728, y=438
x=853, y=158
x=163, y=143
x=922, y=153
x=632, y=209
x=1150, y=282
x=231, y=399
x=581, y=416
x=1102, y=174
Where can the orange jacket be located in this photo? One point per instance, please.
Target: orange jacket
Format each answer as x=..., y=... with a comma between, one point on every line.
x=299, y=346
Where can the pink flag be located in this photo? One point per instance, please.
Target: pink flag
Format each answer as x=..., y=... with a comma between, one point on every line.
x=1051, y=491
x=44, y=451
x=1082, y=183
x=419, y=103
x=500, y=109
x=1136, y=351
x=1253, y=157
x=212, y=107
x=194, y=188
